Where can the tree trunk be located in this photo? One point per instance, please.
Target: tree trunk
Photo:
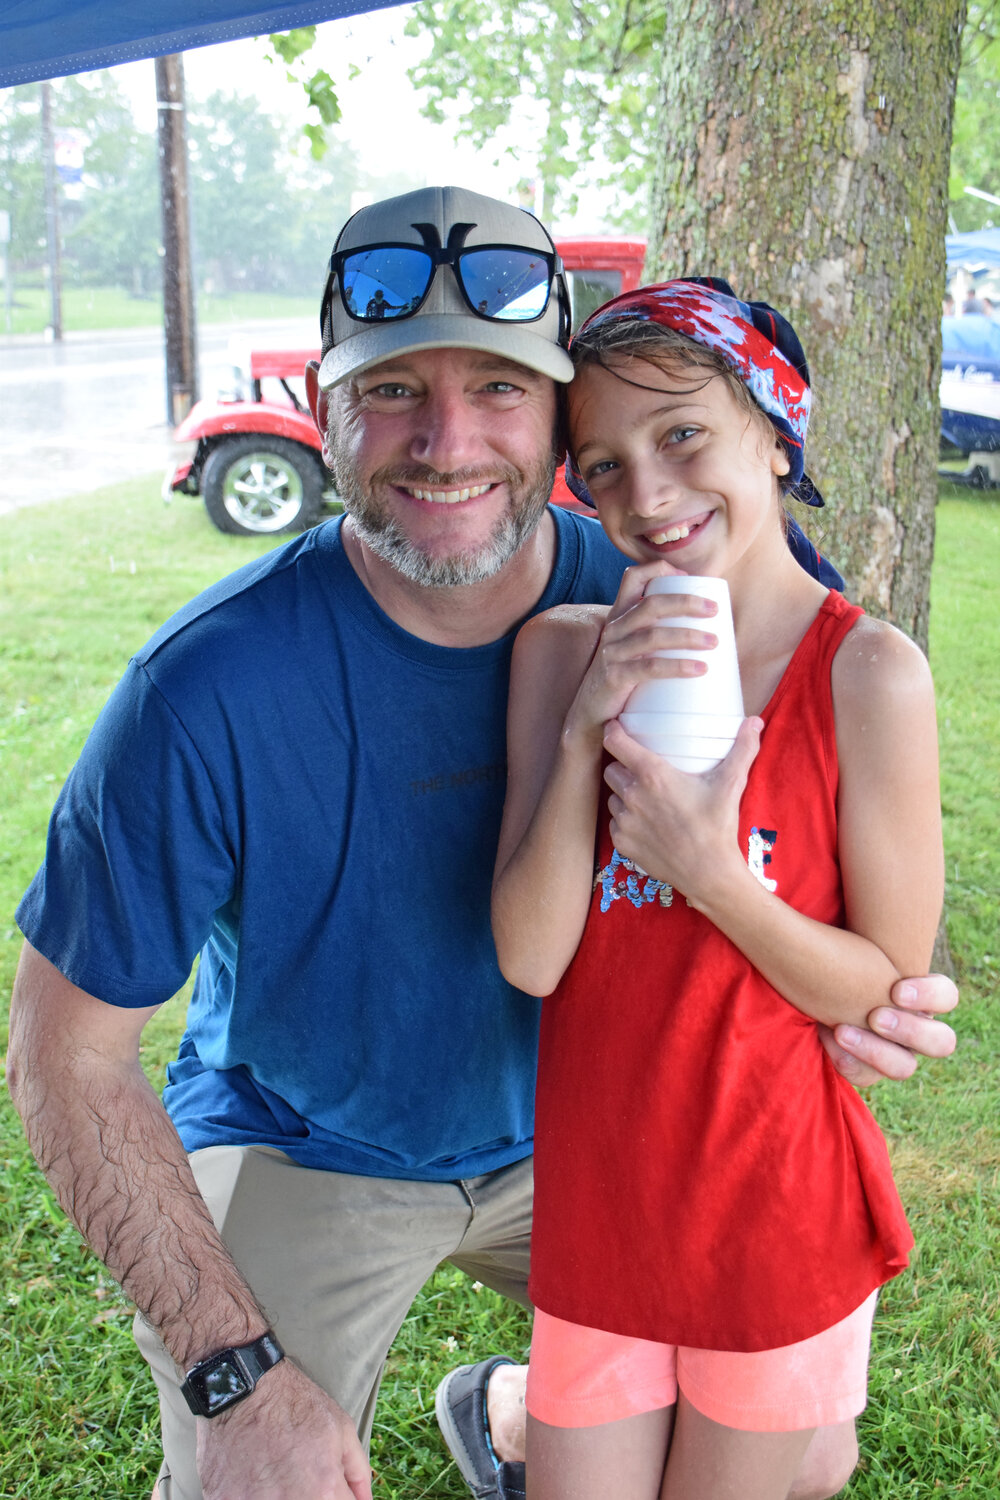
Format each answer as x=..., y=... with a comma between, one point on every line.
x=806, y=160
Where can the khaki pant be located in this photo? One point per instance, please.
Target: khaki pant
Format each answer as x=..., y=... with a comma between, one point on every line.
x=335, y=1261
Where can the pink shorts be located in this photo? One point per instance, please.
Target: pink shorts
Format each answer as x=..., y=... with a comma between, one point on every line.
x=581, y=1377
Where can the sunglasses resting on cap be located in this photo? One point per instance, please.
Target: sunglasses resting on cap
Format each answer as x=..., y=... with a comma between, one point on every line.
x=507, y=283
x=444, y=268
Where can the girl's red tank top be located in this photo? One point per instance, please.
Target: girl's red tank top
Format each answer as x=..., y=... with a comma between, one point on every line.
x=703, y=1175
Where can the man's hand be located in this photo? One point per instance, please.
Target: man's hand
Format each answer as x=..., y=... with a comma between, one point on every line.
x=288, y=1441
x=900, y=1033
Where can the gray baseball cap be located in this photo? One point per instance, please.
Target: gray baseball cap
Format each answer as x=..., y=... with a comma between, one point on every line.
x=433, y=218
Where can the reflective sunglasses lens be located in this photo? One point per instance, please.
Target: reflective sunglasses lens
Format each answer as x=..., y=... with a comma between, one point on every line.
x=385, y=283
x=506, y=284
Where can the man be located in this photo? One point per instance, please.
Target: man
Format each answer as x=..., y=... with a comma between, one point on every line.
x=301, y=776
x=378, y=306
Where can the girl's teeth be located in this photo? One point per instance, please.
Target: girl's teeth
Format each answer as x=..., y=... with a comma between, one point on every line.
x=675, y=534
x=450, y=497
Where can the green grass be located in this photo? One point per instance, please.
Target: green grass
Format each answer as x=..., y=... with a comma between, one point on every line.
x=86, y=309
x=934, y=1413
x=81, y=585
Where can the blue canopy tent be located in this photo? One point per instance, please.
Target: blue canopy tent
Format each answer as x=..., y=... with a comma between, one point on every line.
x=50, y=38
x=979, y=250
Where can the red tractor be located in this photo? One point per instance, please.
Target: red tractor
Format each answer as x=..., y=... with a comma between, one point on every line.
x=255, y=458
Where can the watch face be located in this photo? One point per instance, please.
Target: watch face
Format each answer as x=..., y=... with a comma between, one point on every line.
x=221, y=1383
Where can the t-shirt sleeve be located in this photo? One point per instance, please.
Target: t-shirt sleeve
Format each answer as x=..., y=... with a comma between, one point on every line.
x=137, y=862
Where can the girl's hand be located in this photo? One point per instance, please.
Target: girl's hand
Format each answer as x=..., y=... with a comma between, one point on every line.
x=680, y=828
x=636, y=627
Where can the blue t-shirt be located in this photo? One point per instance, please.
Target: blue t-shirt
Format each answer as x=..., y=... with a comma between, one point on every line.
x=308, y=795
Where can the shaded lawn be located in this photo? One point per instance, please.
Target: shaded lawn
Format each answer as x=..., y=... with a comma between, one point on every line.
x=81, y=585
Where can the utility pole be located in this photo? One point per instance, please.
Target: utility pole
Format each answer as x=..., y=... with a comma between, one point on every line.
x=51, y=214
x=178, y=284
x=8, y=294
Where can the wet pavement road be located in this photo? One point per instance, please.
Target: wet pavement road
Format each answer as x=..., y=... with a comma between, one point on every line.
x=91, y=410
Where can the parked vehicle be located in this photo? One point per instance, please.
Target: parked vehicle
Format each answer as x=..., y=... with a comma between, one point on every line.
x=970, y=397
x=970, y=365
x=255, y=453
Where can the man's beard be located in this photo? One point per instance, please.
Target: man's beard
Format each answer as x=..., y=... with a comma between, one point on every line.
x=383, y=534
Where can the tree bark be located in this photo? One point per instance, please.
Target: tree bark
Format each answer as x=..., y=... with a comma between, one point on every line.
x=806, y=160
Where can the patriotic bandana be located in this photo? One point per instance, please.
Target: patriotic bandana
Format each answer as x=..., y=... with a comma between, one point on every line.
x=757, y=342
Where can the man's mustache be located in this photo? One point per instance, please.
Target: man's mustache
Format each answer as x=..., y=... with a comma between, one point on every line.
x=418, y=477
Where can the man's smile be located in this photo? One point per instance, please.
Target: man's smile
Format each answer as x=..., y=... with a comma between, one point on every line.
x=447, y=497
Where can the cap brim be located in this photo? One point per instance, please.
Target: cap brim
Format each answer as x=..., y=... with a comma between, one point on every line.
x=372, y=346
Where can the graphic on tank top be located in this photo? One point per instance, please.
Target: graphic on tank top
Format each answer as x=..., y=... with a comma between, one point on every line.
x=759, y=847
x=622, y=879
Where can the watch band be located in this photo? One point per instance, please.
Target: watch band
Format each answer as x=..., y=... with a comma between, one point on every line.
x=229, y=1376
x=262, y=1355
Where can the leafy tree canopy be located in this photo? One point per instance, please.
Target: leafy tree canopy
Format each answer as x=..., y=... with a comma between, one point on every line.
x=975, y=152
x=592, y=68
x=263, y=217
x=596, y=69
x=263, y=212
x=109, y=221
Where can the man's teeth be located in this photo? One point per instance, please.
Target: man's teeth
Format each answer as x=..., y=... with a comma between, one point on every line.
x=450, y=497
x=675, y=534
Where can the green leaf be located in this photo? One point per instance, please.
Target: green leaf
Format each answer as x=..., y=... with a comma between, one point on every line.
x=317, y=139
x=323, y=97
x=290, y=45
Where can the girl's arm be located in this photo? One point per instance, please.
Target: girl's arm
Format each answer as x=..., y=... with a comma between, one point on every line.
x=573, y=669
x=545, y=856
x=682, y=829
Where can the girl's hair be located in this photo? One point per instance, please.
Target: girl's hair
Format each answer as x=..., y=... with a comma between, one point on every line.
x=608, y=344
x=700, y=320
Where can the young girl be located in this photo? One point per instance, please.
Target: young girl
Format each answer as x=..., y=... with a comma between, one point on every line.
x=714, y=1208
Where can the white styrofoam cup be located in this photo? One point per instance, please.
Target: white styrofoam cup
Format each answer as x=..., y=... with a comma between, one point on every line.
x=664, y=713
x=698, y=726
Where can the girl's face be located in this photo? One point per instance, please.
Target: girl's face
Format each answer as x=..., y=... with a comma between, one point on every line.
x=680, y=471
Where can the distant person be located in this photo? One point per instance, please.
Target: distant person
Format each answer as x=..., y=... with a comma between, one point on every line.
x=300, y=778
x=989, y=307
x=378, y=306
x=948, y=307
x=971, y=304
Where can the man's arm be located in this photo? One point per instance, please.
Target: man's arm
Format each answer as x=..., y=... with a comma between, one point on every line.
x=116, y=1163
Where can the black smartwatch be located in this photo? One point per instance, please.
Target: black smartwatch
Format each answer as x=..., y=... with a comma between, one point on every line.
x=215, y=1384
